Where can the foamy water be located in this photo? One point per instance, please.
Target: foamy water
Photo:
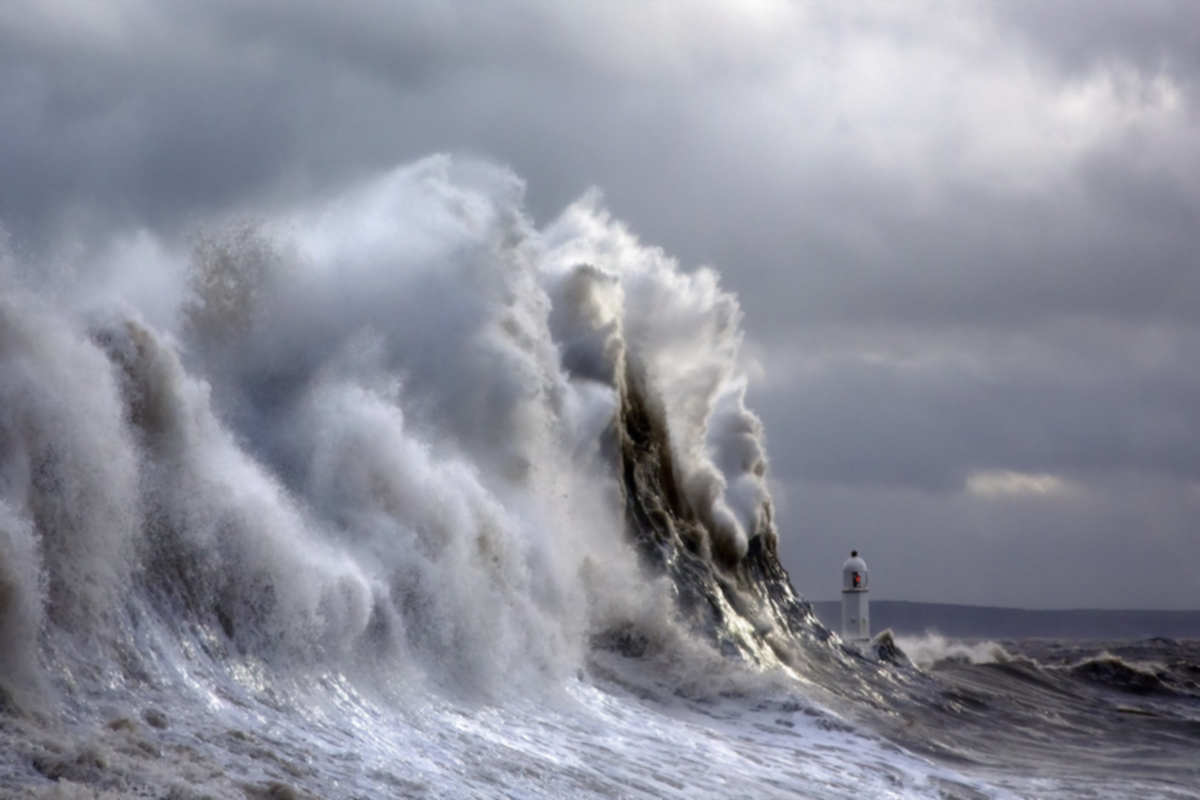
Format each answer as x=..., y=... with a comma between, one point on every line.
x=394, y=494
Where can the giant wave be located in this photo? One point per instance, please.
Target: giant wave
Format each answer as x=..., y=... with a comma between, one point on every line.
x=396, y=494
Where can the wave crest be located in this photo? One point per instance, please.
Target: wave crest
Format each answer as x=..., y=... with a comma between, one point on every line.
x=412, y=430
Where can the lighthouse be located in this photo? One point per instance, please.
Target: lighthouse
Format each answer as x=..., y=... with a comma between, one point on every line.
x=856, y=621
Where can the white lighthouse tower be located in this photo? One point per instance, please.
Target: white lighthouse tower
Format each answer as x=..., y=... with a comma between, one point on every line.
x=856, y=620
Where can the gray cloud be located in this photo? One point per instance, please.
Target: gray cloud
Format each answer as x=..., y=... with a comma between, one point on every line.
x=1079, y=34
x=964, y=241
x=933, y=423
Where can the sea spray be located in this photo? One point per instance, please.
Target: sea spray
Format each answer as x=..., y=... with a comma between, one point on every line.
x=394, y=493
x=411, y=429
x=69, y=493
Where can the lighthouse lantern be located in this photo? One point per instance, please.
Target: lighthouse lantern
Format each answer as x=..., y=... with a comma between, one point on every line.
x=856, y=622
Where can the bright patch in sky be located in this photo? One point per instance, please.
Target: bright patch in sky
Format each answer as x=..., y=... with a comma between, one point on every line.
x=1002, y=483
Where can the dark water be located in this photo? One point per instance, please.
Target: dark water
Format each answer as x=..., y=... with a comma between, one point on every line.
x=1112, y=718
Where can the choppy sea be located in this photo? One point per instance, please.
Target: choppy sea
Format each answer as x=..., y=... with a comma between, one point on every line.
x=399, y=495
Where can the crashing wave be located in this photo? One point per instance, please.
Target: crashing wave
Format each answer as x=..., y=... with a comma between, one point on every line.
x=403, y=428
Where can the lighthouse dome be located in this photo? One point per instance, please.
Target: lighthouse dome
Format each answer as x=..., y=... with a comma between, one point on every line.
x=854, y=573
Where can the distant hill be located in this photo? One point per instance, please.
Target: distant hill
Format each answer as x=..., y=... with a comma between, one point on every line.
x=978, y=622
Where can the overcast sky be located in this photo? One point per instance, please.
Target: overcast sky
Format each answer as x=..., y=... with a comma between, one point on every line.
x=964, y=234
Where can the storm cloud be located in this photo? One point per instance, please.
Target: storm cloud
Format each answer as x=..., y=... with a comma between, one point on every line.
x=964, y=236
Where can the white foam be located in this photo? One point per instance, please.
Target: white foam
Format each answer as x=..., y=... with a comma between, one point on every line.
x=928, y=650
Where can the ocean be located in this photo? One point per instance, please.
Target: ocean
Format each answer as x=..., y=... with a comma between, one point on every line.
x=400, y=495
